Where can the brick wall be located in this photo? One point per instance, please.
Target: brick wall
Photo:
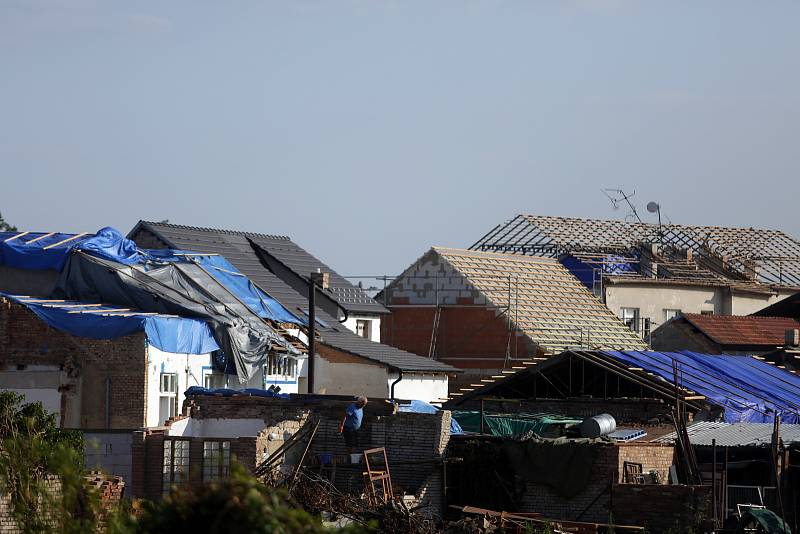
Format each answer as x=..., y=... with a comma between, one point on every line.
x=468, y=337
x=661, y=508
x=653, y=457
x=415, y=443
x=87, y=365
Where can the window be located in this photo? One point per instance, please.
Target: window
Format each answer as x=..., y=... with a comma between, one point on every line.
x=168, y=399
x=176, y=463
x=706, y=312
x=363, y=327
x=214, y=380
x=670, y=314
x=278, y=365
x=630, y=316
x=216, y=460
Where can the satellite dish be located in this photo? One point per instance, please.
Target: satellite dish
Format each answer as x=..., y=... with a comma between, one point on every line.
x=653, y=207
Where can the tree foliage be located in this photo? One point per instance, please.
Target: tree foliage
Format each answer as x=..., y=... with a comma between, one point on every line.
x=238, y=504
x=41, y=470
x=5, y=227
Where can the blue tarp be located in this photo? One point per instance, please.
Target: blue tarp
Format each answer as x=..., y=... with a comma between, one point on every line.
x=418, y=406
x=111, y=245
x=30, y=251
x=225, y=392
x=587, y=271
x=170, y=334
x=748, y=389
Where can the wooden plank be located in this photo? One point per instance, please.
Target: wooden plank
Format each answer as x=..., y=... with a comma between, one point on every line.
x=101, y=311
x=16, y=236
x=76, y=236
x=40, y=238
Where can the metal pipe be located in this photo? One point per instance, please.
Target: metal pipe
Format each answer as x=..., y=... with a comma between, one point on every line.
x=399, y=378
x=714, y=481
x=108, y=403
x=311, y=332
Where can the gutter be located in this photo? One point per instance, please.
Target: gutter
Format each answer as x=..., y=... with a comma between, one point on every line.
x=399, y=378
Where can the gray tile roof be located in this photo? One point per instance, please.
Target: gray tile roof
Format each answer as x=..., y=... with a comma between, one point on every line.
x=236, y=248
x=394, y=357
x=283, y=249
x=736, y=434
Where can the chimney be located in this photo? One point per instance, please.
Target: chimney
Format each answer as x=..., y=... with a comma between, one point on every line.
x=689, y=255
x=793, y=337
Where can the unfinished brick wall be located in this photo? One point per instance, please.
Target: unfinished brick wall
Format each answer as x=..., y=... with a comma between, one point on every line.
x=653, y=457
x=415, y=443
x=661, y=508
x=87, y=366
x=468, y=337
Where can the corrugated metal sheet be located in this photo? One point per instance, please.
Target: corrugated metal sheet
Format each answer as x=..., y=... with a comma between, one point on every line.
x=735, y=434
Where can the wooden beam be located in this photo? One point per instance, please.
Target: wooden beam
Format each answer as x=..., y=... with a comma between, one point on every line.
x=101, y=311
x=67, y=240
x=16, y=236
x=34, y=240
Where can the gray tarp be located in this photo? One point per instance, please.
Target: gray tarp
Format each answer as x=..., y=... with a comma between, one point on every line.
x=563, y=464
x=174, y=288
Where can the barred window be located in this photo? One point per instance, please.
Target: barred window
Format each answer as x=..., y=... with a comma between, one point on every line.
x=216, y=460
x=176, y=463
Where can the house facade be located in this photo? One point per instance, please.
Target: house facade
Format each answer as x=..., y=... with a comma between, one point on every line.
x=348, y=358
x=488, y=313
x=648, y=273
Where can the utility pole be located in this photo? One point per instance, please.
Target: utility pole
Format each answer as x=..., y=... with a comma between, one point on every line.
x=321, y=279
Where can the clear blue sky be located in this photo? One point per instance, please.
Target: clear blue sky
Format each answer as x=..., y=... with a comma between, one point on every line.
x=369, y=131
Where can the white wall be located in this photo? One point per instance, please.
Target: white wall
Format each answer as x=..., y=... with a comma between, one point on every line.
x=41, y=383
x=350, y=378
x=652, y=300
x=191, y=370
x=745, y=304
x=217, y=428
x=431, y=388
x=375, y=325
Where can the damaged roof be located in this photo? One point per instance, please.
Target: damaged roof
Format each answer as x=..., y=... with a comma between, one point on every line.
x=742, y=330
x=541, y=297
x=278, y=247
x=704, y=433
x=244, y=250
x=768, y=256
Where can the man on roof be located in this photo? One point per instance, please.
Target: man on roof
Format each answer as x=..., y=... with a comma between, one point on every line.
x=351, y=423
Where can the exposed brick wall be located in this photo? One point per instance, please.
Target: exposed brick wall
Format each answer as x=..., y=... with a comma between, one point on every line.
x=661, y=508
x=415, y=443
x=653, y=457
x=87, y=364
x=469, y=337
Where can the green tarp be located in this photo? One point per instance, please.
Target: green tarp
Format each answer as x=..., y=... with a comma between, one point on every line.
x=510, y=425
x=770, y=522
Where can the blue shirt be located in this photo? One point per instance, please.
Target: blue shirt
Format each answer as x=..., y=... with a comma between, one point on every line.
x=354, y=416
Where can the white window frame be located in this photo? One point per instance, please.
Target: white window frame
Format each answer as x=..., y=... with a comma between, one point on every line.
x=216, y=460
x=364, y=328
x=280, y=367
x=631, y=320
x=209, y=380
x=168, y=389
x=670, y=313
x=175, y=472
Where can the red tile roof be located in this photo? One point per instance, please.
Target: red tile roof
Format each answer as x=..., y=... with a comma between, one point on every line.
x=743, y=330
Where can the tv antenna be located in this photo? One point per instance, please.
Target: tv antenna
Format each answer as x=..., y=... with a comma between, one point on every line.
x=618, y=196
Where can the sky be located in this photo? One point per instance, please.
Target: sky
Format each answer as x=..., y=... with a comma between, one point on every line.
x=369, y=131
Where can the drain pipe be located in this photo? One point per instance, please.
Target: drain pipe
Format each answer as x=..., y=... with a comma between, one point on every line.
x=399, y=378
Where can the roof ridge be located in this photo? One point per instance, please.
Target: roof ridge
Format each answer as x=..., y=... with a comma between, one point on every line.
x=651, y=224
x=216, y=230
x=486, y=253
